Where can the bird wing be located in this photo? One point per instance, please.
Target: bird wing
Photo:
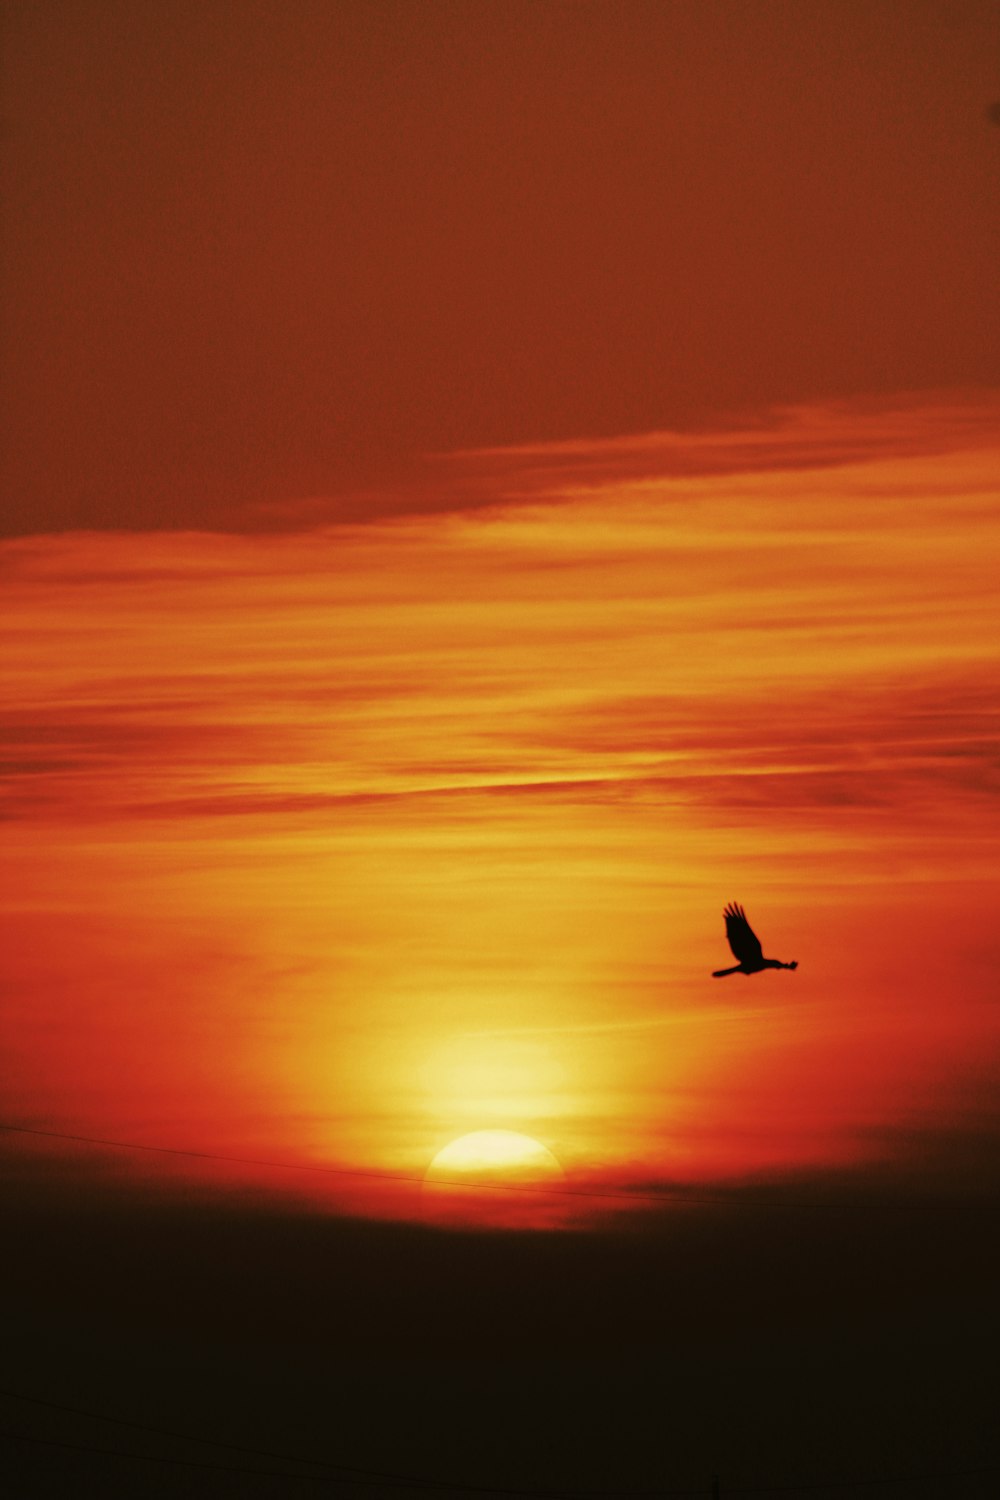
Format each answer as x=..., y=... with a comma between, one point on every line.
x=742, y=939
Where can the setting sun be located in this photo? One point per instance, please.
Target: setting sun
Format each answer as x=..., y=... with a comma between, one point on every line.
x=492, y=1179
x=485, y=1153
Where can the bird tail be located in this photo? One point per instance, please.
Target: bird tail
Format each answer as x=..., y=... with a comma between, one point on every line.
x=721, y=973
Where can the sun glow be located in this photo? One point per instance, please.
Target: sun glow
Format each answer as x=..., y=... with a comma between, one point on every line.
x=494, y=1078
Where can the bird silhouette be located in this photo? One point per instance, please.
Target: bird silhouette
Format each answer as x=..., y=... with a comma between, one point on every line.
x=746, y=946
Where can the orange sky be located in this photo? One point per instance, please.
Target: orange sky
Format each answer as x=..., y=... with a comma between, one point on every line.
x=331, y=846
x=484, y=485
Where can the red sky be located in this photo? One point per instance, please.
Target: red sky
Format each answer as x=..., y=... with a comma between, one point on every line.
x=487, y=485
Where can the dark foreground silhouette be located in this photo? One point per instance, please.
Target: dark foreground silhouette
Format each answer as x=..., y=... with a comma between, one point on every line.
x=746, y=946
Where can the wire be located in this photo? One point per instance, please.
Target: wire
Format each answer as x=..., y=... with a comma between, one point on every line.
x=856, y=1484
x=673, y=1195
x=429, y=1484
x=374, y=1476
x=425, y=1482
x=501, y=1490
x=187, y=1463
x=297, y=1166
x=193, y=1463
x=190, y=1437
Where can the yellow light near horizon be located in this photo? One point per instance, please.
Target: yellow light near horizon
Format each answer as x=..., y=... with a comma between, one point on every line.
x=485, y=1153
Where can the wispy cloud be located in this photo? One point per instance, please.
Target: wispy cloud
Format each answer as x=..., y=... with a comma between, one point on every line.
x=495, y=771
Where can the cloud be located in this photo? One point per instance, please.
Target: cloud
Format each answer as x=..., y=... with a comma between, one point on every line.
x=818, y=435
x=734, y=644
x=500, y=769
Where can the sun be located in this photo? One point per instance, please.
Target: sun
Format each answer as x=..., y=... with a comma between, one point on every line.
x=486, y=1154
x=494, y=1179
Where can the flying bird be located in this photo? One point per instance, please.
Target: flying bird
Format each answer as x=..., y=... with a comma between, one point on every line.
x=746, y=946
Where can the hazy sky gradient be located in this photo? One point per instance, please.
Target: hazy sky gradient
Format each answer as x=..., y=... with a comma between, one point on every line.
x=333, y=846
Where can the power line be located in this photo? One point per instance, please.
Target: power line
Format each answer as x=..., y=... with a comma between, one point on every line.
x=857, y=1484
x=190, y=1437
x=388, y=1482
x=372, y=1476
x=417, y=1482
x=298, y=1166
x=187, y=1463
x=193, y=1463
x=671, y=1196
